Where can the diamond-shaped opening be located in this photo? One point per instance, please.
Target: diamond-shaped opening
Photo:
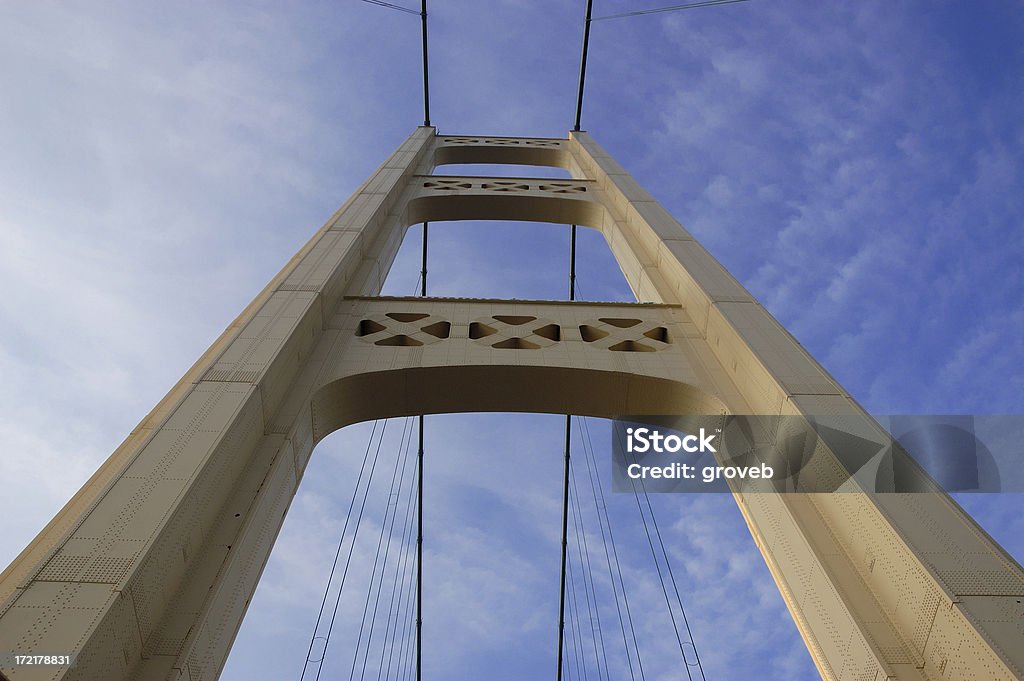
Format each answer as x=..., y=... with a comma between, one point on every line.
x=505, y=186
x=513, y=320
x=438, y=329
x=407, y=316
x=562, y=188
x=478, y=330
x=658, y=333
x=631, y=346
x=368, y=326
x=592, y=333
x=447, y=184
x=515, y=344
x=620, y=322
x=550, y=331
x=401, y=340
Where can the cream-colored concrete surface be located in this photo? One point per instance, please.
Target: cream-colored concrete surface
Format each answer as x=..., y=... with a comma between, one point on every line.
x=147, y=572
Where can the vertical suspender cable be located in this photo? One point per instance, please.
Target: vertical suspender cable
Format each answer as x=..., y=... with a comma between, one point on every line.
x=423, y=292
x=337, y=556
x=423, y=265
x=671, y=578
x=381, y=556
x=419, y=560
x=419, y=454
x=565, y=530
x=574, y=622
x=603, y=521
x=568, y=417
x=398, y=594
x=583, y=65
x=426, y=81
x=565, y=481
x=572, y=262
x=587, y=573
x=351, y=548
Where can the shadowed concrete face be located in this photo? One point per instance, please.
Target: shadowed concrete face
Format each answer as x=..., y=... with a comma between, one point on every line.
x=148, y=570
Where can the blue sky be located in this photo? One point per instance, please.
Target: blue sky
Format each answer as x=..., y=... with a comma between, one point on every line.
x=856, y=165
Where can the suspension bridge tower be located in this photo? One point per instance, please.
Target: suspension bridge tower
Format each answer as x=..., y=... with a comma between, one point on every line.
x=147, y=571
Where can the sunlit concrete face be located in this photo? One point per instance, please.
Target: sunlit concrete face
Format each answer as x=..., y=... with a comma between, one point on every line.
x=148, y=570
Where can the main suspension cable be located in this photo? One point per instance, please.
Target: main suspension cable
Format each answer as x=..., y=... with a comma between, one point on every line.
x=423, y=39
x=381, y=3
x=672, y=8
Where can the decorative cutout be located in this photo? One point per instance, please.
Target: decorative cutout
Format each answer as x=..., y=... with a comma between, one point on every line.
x=621, y=334
x=514, y=320
x=592, y=333
x=400, y=340
x=512, y=332
x=403, y=329
x=368, y=326
x=552, y=332
x=407, y=316
x=515, y=344
x=562, y=187
x=631, y=346
x=505, y=186
x=620, y=323
x=503, y=142
x=658, y=333
x=515, y=332
x=478, y=330
x=438, y=329
x=447, y=184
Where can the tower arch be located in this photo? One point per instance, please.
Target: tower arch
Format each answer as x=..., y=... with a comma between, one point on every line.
x=522, y=388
